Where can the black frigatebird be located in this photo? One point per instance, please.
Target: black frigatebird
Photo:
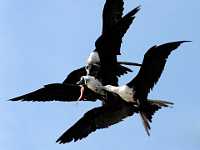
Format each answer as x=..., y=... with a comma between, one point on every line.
x=107, y=47
x=136, y=91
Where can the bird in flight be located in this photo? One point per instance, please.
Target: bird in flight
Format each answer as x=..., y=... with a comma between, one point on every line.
x=98, y=79
x=136, y=91
x=114, y=28
x=103, y=59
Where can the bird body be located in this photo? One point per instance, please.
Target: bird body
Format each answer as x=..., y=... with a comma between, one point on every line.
x=138, y=88
x=153, y=64
x=125, y=92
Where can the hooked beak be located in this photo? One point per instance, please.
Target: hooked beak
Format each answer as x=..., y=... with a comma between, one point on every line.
x=81, y=82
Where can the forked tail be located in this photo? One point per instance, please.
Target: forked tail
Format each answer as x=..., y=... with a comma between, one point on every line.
x=147, y=111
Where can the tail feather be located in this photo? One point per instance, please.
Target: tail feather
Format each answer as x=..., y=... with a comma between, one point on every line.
x=161, y=103
x=145, y=123
x=147, y=111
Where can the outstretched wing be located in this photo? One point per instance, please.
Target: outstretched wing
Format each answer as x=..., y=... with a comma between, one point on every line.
x=151, y=69
x=112, y=13
x=110, y=40
x=57, y=92
x=108, y=46
x=97, y=118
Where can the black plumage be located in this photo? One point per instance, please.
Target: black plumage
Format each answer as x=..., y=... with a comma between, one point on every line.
x=114, y=109
x=58, y=92
x=152, y=67
x=108, y=46
x=112, y=10
x=112, y=112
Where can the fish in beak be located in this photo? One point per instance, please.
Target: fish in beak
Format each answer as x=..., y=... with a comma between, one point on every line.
x=81, y=83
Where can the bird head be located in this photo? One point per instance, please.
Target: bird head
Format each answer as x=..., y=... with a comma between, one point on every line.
x=84, y=80
x=93, y=69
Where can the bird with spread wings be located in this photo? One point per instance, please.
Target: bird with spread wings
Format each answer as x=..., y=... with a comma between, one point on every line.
x=107, y=45
x=104, y=57
x=101, y=75
x=123, y=101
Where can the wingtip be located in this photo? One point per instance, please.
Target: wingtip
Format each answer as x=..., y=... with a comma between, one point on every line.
x=133, y=12
x=59, y=141
x=178, y=43
x=62, y=140
x=19, y=98
x=185, y=41
x=13, y=99
x=137, y=8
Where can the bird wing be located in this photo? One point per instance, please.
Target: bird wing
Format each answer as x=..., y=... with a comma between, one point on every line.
x=118, y=31
x=75, y=76
x=112, y=13
x=110, y=113
x=57, y=92
x=108, y=46
x=110, y=40
x=151, y=69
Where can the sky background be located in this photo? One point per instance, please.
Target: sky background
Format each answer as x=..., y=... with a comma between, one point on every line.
x=42, y=41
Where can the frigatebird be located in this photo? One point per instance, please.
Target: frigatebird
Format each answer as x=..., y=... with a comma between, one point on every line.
x=107, y=49
x=136, y=91
x=108, y=45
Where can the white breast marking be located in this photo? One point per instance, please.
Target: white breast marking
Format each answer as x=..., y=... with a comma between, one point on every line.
x=124, y=92
x=93, y=58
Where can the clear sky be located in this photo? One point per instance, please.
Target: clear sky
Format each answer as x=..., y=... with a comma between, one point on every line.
x=42, y=41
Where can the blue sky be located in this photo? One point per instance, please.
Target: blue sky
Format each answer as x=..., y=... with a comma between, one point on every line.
x=40, y=42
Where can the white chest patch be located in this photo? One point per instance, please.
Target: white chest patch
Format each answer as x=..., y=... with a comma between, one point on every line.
x=124, y=92
x=93, y=84
x=93, y=58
